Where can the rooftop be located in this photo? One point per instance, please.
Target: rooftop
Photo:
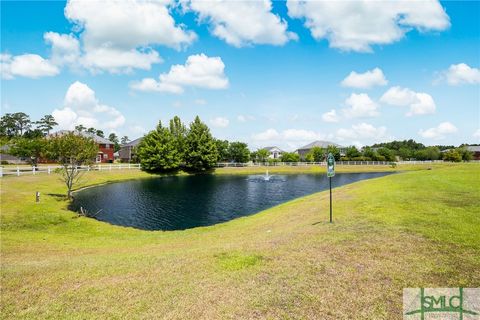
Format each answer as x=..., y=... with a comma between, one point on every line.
x=95, y=138
x=133, y=143
x=321, y=144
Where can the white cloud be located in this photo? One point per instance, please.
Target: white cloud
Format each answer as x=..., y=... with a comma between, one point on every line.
x=119, y=61
x=362, y=131
x=241, y=23
x=419, y=102
x=82, y=107
x=360, y=106
x=26, y=65
x=462, y=74
x=269, y=134
x=439, y=131
x=220, y=122
x=65, y=48
x=199, y=71
x=330, y=116
x=357, y=25
x=117, y=35
x=368, y=79
x=245, y=118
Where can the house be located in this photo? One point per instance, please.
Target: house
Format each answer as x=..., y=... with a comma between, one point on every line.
x=475, y=150
x=8, y=158
x=127, y=151
x=274, y=152
x=322, y=144
x=105, y=146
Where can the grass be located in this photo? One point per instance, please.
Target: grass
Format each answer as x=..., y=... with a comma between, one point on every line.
x=418, y=228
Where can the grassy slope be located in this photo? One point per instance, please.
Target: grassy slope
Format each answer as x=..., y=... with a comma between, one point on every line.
x=417, y=228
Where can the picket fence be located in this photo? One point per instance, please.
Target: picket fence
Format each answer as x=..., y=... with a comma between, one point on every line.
x=24, y=170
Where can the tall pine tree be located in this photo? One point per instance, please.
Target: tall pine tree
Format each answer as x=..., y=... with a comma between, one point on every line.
x=158, y=151
x=200, y=149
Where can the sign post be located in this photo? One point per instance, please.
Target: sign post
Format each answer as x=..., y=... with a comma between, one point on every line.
x=330, y=174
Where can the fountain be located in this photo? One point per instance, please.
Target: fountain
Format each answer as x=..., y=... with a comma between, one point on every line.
x=267, y=177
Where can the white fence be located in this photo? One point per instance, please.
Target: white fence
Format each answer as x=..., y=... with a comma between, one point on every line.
x=303, y=164
x=27, y=170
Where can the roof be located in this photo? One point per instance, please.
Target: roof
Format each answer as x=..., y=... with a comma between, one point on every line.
x=95, y=138
x=321, y=144
x=271, y=148
x=133, y=143
x=473, y=148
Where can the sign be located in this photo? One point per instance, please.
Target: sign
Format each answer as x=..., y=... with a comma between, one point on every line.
x=330, y=165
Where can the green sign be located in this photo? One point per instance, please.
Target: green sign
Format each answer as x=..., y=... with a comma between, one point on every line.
x=330, y=165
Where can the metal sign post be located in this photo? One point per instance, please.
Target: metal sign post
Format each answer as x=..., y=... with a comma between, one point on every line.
x=330, y=174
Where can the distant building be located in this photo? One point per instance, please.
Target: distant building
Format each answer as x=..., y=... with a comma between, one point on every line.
x=105, y=146
x=274, y=152
x=8, y=158
x=475, y=150
x=322, y=144
x=127, y=150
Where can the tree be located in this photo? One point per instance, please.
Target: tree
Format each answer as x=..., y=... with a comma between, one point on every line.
x=14, y=124
x=124, y=140
x=100, y=133
x=46, y=124
x=389, y=155
x=80, y=128
x=8, y=126
x=238, y=152
x=222, y=149
x=452, y=155
x=179, y=132
x=92, y=130
x=200, y=149
x=22, y=121
x=352, y=152
x=113, y=137
x=158, y=151
x=429, y=153
x=316, y=154
x=262, y=155
x=30, y=148
x=290, y=157
x=369, y=154
x=31, y=134
x=335, y=151
x=71, y=151
x=466, y=155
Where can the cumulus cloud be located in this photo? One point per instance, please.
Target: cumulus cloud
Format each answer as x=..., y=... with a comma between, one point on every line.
x=418, y=102
x=368, y=79
x=289, y=138
x=438, y=132
x=241, y=23
x=117, y=35
x=219, y=122
x=81, y=107
x=461, y=73
x=357, y=25
x=26, y=65
x=330, y=116
x=65, y=48
x=360, y=106
x=199, y=71
x=362, y=131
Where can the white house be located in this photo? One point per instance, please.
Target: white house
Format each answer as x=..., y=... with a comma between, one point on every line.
x=274, y=152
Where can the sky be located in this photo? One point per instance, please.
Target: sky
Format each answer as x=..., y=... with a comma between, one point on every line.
x=281, y=73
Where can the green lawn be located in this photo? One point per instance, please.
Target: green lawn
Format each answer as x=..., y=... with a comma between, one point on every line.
x=418, y=228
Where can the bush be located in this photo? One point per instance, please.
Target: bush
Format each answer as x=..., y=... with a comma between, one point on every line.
x=452, y=155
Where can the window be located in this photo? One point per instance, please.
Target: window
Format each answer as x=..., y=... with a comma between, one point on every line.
x=107, y=146
x=105, y=156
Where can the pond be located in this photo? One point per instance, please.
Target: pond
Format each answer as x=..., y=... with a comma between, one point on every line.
x=182, y=202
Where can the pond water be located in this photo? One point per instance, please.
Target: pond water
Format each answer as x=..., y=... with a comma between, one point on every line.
x=182, y=202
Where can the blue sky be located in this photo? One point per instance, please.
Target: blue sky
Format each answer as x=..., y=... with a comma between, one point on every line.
x=260, y=72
